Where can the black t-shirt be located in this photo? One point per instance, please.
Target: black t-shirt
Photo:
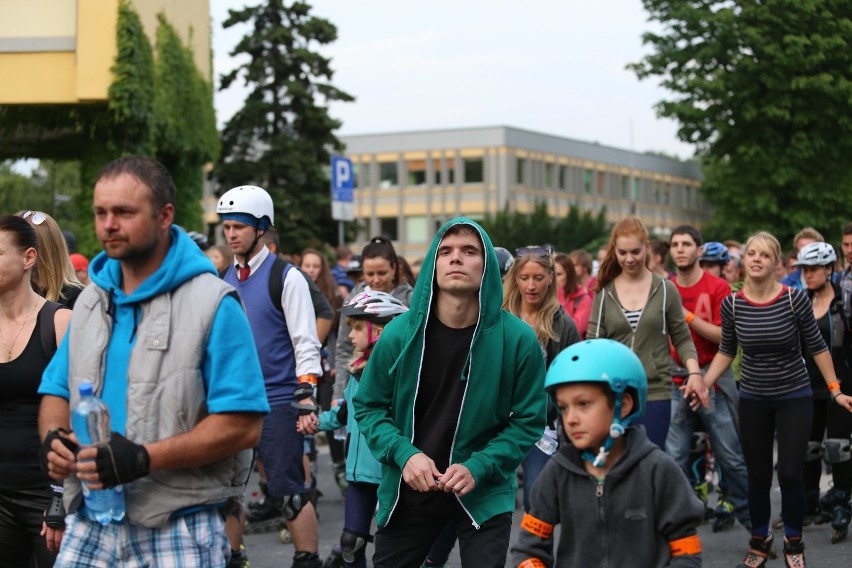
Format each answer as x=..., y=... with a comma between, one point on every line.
x=437, y=406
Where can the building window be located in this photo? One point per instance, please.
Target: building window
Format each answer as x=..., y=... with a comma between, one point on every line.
x=416, y=230
x=362, y=175
x=520, y=171
x=473, y=170
x=548, y=175
x=416, y=172
x=388, y=175
x=451, y=173
x=625, y=181
x=587, y=181
x=389, y=227
x=601, y=183
x=563, y=177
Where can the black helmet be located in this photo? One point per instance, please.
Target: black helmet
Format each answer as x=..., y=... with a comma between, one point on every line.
x=504, y=260
x=374, y=306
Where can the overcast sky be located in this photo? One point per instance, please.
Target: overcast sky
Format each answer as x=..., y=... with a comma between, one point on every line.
x=552, y=66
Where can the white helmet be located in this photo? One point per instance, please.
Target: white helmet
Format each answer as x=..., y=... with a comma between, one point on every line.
x=246, y=199
x=816, y=254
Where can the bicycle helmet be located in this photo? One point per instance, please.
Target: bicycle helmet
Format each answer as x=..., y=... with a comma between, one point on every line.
x=505, y=260
x=373, y=306
x=247, y=204
x=604, y=361
x=816, y=254
x=716, y=253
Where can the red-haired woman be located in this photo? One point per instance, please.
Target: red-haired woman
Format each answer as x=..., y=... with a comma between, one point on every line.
x=643, y=310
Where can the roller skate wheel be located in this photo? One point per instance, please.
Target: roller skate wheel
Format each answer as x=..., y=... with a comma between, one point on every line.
x=284, y=535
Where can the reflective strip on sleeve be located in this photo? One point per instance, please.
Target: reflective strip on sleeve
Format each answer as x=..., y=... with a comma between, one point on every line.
x=532, y=563
x=537, y=527
x=685, y=545
x=311, y=379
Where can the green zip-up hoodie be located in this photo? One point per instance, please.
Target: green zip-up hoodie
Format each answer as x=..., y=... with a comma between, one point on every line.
x=503, y=409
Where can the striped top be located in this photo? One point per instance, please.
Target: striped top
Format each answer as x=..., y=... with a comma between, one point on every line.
x=773, y=366
x=632, y=317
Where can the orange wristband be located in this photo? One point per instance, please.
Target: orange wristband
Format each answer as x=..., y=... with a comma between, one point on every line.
x=834, y=386
x=308, y=379
x=689, y=317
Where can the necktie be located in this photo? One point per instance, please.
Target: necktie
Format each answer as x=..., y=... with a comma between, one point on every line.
x=243, y=272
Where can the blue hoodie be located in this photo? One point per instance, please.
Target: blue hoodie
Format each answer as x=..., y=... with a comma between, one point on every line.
x=227, y=357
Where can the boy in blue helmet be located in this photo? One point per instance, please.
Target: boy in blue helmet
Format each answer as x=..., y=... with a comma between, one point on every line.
x=620, y=500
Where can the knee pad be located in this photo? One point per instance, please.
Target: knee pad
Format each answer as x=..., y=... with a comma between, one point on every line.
x=837, y=450
x=698, y=443
x=814, y=451
x=294, y=504
x=352, y=545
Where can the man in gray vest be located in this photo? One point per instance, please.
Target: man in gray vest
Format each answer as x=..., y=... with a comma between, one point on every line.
x=163, y=340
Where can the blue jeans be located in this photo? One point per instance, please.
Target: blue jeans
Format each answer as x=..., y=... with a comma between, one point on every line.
x=724, y=439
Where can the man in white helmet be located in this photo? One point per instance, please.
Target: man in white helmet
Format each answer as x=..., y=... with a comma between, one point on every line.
x=284, y=329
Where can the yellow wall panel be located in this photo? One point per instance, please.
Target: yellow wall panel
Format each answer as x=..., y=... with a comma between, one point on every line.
x=39, y=78
x=96, y=48
x=191, y=19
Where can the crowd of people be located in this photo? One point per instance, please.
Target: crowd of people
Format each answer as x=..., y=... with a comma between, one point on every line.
x=600, y=384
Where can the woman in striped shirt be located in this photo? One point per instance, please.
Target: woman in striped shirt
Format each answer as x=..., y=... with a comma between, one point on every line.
x=767, y=320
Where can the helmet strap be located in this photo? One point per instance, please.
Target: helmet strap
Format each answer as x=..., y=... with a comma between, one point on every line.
x=616, y=430
x=257, y=236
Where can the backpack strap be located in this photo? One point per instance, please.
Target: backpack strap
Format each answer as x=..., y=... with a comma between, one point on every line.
x=48, y=328
x=280, y=268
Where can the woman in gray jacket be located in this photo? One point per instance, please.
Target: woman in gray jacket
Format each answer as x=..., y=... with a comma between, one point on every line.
x=643, y=311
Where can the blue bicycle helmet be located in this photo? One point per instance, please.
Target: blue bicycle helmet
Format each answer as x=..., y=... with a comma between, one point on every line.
x=504, y=260
x=604, y=361
x=717, y=253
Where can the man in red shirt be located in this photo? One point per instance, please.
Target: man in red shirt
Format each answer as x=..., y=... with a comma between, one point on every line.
x=702, y=295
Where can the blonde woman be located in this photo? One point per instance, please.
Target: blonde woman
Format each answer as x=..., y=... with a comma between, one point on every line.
x=642, y=310
x=54, y=276
x=770, y=321
x=529, y=292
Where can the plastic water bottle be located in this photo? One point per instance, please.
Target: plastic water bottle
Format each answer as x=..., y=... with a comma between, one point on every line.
x=340, y=433
x=91, y=423
x=547, y=444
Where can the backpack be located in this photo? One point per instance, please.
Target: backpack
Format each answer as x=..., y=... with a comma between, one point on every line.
x=276, y=284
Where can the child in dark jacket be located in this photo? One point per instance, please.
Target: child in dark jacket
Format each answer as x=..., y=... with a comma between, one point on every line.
x=367, y=314
x=620, y=500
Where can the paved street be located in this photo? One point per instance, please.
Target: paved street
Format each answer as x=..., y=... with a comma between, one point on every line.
x=721, y=550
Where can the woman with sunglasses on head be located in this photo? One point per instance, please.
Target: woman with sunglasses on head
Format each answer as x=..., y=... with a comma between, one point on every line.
x=26, y=346
x=572, y=295
x=54, y=276
x=642, y=310
x=530, y=292
x=382, y=272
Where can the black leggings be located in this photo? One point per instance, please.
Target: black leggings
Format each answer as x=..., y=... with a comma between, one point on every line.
x=761, y=423
x=21, y=515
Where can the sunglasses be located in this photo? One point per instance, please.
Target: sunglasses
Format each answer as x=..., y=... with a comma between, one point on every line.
x=534, y=250
x=36, y=217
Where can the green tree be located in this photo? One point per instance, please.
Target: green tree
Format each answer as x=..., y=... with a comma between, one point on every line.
x=282, y=137
x=764, y=91
x=511, y=229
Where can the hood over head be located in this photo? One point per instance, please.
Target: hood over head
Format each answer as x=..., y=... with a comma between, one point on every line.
x=491, y=290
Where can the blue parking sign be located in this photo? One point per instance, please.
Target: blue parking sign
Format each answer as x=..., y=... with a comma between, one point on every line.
x=342, y=189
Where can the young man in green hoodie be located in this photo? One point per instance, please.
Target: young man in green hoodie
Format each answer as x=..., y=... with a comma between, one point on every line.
x=450, y=403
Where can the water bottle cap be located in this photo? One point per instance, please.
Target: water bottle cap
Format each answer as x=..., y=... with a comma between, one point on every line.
x=86, y=389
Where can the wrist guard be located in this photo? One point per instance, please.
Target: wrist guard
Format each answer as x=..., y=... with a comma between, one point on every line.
x=303, y=391
x=54, y=515
x=121, y=461
x=60, y=434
